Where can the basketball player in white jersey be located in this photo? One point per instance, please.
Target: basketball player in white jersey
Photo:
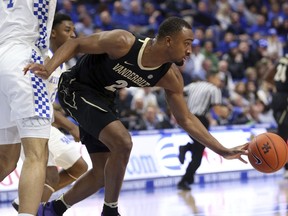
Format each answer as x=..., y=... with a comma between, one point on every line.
x=25, y=111
x=63, y=152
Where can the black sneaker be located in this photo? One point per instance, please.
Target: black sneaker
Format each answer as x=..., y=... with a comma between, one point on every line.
x=182, y=152
x=183, y=186
x=15, y=205
x=46, y=209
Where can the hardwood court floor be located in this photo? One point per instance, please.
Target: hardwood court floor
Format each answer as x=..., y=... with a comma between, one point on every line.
x=266, y=196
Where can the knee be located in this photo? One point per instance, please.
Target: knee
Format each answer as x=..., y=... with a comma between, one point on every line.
x=78, y=169
x=38, y=156
x=123, y=147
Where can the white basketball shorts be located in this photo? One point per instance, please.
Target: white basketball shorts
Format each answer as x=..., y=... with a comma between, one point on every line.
x=63, y=152
x=21, y=96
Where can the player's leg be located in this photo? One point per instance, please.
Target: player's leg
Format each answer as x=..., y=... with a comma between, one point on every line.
x=9, y=155
x=197, y=153
x=34, y=133
x=9, y=137
x=97, y=116
x=116, y=137
x=51, y=182
x=88, y=184
x=67, y=176
x=183, y=149
x=283, y=133
x=25, y=98
x=32, y=176
x=67, y=155
x=108, y=169
x=197, y=150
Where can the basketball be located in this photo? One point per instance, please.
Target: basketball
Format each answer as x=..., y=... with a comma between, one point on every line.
x=267, y=152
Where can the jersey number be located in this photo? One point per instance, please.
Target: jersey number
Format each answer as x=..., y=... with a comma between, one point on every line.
x=119, y=84
x=10, y=4
x=281, y=73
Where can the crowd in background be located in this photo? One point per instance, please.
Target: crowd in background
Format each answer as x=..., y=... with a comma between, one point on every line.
x=241, y=39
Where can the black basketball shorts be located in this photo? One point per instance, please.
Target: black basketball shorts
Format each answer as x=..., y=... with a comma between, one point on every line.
x=91, y=111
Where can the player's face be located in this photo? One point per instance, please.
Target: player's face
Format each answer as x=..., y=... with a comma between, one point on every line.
x=181, y=46
x=63, y=32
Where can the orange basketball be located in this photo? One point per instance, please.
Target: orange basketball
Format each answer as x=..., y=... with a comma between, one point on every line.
x=267, y=152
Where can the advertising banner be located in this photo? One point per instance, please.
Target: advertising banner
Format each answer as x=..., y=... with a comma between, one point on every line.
x=155, y=154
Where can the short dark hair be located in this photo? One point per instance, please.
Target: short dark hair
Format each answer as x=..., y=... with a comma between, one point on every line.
x=59, y=18
x=171, y=26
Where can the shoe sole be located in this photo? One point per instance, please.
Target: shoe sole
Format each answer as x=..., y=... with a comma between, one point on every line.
x=15, y=206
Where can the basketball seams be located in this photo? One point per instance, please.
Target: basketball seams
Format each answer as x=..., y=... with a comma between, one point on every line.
x=262, y=158
x=274, y=148
x=285, y=146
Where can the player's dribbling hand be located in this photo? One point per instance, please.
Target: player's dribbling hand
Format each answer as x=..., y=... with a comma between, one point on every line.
x=237, y=152
x=37, y=69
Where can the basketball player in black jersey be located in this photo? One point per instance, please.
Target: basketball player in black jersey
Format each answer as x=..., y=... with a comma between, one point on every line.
x=279, y=75
x=113, y=60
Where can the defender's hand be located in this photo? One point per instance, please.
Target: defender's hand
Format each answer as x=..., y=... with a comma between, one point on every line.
x=37, y=69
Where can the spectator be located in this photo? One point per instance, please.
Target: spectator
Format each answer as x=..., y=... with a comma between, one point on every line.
x=235, y=26
x=193, y=65
x=85, y=26
x=235, y=61
x=136, y=17
x=208, y=52
x=223, y=16
x=247, y=54
x=261, y=49
x=275, y=47
x=106, y=22
x=223, y=45
x=228, y=83
x=260, y=27
x=146, y=95
x=68, y=8
x=120, y=16
x=154, y=120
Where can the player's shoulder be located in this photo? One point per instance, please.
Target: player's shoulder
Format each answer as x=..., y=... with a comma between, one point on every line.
x=119, y=36
x=117, y=41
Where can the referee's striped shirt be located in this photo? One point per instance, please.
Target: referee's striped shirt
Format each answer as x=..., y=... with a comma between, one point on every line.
x=200, y=96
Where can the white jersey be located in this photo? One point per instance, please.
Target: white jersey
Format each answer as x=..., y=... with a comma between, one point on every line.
x=27, y=22
x=52, y=84
x=25, y=27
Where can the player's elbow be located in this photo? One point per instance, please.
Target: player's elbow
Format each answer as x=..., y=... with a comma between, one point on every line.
x=182, y=120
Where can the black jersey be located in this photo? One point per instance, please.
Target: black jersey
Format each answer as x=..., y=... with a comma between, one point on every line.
x=106, y=75
x=281, y=76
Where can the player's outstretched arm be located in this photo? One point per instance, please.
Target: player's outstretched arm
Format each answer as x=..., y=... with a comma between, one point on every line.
x=173, y=84
x=115, y=43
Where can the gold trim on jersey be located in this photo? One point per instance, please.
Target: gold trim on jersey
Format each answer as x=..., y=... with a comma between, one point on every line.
x=94, y=105
x=141, y=54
